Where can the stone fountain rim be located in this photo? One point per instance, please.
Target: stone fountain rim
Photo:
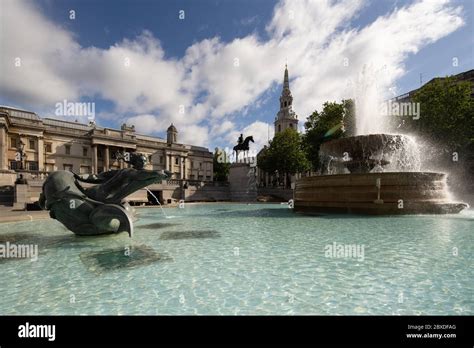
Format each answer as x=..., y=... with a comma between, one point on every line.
x=386, y=173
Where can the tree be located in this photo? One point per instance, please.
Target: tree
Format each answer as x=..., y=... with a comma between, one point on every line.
x=285, y=154
x=334, y=121
x=446, y=113
x=221, y=165
x=446, y=122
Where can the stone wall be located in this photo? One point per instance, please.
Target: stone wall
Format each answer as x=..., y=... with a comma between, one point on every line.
x=207, y=193
x=283, y=194
x=168, y=193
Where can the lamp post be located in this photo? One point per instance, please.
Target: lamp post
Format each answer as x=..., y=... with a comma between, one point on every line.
x=20, y=156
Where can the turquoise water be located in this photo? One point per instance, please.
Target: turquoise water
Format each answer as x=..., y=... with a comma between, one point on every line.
x=245, y=259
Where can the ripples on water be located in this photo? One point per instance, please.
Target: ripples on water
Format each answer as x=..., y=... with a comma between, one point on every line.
x=245, y=259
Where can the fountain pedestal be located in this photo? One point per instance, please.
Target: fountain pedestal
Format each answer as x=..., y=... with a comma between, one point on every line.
x=398, y=187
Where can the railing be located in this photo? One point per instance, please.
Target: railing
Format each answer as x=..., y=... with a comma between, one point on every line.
x=41, y=175
x=196, y=183
x=32, y=174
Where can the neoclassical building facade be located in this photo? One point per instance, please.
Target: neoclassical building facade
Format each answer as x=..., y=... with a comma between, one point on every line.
x=34, y=144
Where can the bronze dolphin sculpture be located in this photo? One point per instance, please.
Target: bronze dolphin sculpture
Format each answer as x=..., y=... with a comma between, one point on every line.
x=99, y=209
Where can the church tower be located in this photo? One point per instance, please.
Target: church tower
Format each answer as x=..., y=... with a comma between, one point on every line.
x=286, y=117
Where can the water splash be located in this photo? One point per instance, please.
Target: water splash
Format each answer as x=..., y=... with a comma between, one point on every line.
x=371, y=153
x=368, y=97
x=158, y=201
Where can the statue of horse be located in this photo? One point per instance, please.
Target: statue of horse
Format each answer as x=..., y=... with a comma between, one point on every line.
x=243, y=147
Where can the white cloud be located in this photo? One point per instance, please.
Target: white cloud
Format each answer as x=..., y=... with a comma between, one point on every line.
x=31, y=66
x=195, y=135
x=221, y=128
x=314, y=36
x=260, y=131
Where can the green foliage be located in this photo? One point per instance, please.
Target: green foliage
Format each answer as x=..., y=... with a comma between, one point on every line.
x=334, y=121
x=446, y=113
x=284, y=154
x=221, y=165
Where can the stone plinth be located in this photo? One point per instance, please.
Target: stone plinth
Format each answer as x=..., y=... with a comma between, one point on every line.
x=22, y=197
x=243, y=184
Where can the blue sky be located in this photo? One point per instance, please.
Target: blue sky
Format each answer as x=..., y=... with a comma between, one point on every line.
x=179, y=62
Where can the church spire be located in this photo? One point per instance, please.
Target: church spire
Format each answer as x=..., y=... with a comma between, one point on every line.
x=286, y=82
x=286, y=117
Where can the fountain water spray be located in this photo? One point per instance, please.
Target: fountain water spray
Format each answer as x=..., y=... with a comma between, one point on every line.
x=367, y=99
x=153, y=195
x=351, y=165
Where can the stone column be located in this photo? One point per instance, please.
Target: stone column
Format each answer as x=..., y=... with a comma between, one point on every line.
x=94, y=159
x=41, y=158
x=106, y=159
x=122, y=163
x=166, y=161
x=181, y=169
x=3, y=149
x=185, y=168
x=171, y=165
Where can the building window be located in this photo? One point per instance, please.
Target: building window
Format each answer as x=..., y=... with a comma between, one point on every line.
x=68, y=167
x=208, y=178
x=14, y=165
x=291, y=125
x=30, y=165
x=68, y=149
x=99, y=154
x=149, y=158
x=84, y=151
x=285, y=104
x=176, y=160
x=85, y=170
x=200, y=165
x=13, y=142
x=48, y=147
x=279, y=128
x=32, y=144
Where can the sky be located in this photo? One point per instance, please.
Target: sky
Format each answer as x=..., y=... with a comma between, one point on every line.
x=214, y=68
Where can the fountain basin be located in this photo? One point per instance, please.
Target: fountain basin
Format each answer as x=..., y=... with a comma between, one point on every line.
x=356, y=193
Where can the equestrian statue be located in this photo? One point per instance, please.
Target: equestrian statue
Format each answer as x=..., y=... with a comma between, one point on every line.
x=242, y=145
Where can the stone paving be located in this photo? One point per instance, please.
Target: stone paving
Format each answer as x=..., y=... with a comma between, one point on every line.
x=9, y=215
